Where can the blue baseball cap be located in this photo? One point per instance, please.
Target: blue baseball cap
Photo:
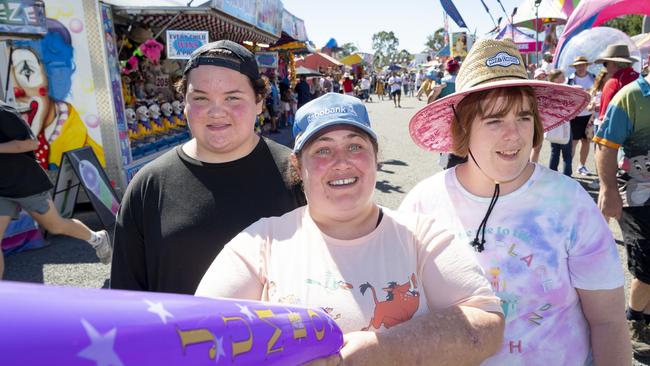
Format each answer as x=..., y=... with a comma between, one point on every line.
x=327, y=110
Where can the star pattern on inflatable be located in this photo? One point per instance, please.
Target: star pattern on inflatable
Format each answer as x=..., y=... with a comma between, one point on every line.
x=158, y=309
x=246, y=311
x=220, y=349
x=100, y=349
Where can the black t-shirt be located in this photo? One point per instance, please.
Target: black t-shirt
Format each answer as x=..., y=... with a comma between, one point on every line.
x=178, y=213
x=20, y=174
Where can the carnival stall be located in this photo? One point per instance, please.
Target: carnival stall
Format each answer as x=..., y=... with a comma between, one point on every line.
x=104, y=73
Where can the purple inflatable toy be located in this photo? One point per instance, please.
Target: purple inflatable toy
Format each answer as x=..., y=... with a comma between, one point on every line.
x=46, y=325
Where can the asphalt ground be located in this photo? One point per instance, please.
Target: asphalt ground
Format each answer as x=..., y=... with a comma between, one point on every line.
x=70, y=262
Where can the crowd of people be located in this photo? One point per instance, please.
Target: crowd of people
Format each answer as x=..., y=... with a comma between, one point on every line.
x=496, y=260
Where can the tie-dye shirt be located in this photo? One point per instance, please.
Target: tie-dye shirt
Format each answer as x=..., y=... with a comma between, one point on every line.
x=543, y=241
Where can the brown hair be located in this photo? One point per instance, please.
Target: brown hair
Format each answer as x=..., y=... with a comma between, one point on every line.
x=554, y=74
x=599, y=82
x=261, y=87
x=477, y=104
x=293, y=177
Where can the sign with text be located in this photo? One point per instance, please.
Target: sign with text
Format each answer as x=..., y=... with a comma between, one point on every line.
x=22, y=17
x=81, y=169
x=181, y=43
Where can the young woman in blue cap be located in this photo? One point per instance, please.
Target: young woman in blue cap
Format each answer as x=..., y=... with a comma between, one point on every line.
x=391, y=281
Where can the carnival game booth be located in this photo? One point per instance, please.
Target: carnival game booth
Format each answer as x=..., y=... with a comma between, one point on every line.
x=154, y=44
x=102, y=75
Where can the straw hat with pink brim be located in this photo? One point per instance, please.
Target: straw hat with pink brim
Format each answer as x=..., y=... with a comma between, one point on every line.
x=493, y=64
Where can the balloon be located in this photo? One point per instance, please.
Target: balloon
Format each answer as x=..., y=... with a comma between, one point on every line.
x=592, y=43
x=72, y=326
x=592, y=13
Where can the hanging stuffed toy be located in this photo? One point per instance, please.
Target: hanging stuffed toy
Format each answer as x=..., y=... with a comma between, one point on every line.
x=151, y=49
x=130, y=65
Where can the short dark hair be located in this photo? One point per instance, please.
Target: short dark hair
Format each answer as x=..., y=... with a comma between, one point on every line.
x=260, y=86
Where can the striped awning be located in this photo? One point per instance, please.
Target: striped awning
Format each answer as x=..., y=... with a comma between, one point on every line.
x=219, y=25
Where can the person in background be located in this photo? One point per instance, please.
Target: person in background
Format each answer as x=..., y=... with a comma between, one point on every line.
x=557, y=76
x=618, y=63
x=25, y=185
x=626, y=124
x=395, y=85
x=181, y=209
x=303, y=91
x=347, y=84
x=547, y=62
x=542, y=242
x=594, y=106
x=340, y=249
x=364, y=84
x=582, y=126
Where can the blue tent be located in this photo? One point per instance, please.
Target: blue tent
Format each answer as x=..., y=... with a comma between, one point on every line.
x=331, y=44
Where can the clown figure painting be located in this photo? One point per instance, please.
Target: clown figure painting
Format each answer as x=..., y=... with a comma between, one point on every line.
x=53, y=90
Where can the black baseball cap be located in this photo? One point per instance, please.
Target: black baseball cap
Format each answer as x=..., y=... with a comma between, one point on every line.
x=243, y=60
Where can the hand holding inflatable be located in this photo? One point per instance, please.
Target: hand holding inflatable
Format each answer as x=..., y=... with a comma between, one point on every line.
x=73, y=326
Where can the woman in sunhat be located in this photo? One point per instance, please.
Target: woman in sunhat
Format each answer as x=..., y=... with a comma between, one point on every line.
x=342, y=252
x=540, y=238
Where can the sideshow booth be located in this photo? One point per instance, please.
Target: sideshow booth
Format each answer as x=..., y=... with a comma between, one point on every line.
x=102, y=74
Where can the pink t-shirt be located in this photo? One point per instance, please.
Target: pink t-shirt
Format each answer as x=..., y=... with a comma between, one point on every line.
x=543, y=241
x=407, y=266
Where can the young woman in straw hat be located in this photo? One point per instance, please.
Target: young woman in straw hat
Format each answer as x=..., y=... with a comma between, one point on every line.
x=540, y=238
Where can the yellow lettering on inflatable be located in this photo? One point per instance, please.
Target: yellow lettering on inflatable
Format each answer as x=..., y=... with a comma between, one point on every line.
x=299, y=330
x=263, y=314
x=241, y=346
x=195, y=336
x=319, y=333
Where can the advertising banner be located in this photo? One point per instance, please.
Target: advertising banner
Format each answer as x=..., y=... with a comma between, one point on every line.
x=459, y=45
x=80, y=168
x=22, y=18
x=293, y=26
x=241, y=9
x=269, y=16
x=181, y=43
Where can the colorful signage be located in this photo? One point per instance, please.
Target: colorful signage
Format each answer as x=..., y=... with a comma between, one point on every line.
x=22, y=17
x=267, y=59
x=181, y=43
x=269, y=16
x=293, y=26
x=54, y=87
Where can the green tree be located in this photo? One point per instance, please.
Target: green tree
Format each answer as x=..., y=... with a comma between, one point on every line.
x=630, y=24
x=385, y=46
x=347, y=49
x=436, y=40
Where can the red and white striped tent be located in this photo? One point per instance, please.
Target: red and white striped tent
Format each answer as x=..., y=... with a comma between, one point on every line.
x=159, y=13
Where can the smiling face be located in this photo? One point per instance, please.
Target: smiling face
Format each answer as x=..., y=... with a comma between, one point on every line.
x=221, y=110
x=500, y=140
x=339, y=169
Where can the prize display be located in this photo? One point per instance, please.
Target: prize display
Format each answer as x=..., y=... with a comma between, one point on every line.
x=154, y=112
x=112, y=327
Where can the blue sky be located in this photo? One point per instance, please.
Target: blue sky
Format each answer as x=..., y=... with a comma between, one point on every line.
x=412, y=20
